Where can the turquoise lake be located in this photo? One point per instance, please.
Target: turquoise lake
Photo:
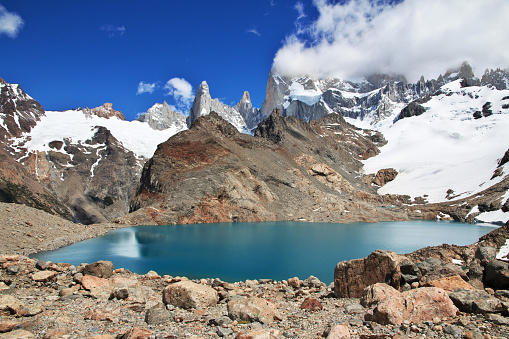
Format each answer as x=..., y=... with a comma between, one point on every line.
x=273, y=250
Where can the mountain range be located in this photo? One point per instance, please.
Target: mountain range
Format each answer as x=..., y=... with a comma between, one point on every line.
x=335, y=150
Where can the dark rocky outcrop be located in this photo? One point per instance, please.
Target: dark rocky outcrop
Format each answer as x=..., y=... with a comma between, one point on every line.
x=412, y=110
x=384, y=176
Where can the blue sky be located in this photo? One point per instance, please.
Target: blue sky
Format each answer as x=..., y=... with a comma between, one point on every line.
x=69, y=54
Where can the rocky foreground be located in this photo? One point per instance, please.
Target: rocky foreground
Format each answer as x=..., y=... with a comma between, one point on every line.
x=440, y=292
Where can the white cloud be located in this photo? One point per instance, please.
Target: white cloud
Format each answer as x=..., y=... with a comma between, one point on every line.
x=113, y=30
x=413, y=38
x=253, y=31
x=299, y=7
x=182, y=93
x=144, y=87
x=10, y=23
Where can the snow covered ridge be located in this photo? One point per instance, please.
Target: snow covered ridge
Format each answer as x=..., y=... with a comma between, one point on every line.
x=77, y=127
x=452, y=150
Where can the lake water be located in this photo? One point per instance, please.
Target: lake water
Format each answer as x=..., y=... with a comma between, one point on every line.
x=275, y=250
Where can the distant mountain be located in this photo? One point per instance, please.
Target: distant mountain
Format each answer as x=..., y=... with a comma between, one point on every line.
x=160, y=117
x=243, y=116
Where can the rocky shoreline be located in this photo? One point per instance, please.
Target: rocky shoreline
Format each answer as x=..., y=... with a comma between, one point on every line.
x=385, y=295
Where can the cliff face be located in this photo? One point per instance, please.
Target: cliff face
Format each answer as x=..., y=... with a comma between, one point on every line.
x=289, y=170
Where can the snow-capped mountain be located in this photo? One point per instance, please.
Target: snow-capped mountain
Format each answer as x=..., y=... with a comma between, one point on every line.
x=161, y=117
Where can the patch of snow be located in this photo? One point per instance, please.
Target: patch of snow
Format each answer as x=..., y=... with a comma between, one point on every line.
x=74, y=125
x=504, y=251
x=307, y=96
x=457, y=262
x=494, y=217
x=445, y=147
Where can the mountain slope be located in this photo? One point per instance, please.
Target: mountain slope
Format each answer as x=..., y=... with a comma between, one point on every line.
x=289, y=170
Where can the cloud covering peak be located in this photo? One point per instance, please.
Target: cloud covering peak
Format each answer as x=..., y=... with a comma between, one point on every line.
x=355, y=38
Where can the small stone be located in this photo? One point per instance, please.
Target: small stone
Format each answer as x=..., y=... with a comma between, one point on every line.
x=337, y=332
x=311, y=304
x=29, y=310
x=64, y=292
x=260, y=334
x=13, y=270
x=224, y=332
x=498, y=319
x=152, y=275
x=294, y=282
x=453, y=330
x=157, y=315
x=43, y=276
x=7, y=326
x=18, y=334
x=220, y=321
x=41, y=265
x=354, y=309
x=3, y=286
x=253, y=309
x=137, y=333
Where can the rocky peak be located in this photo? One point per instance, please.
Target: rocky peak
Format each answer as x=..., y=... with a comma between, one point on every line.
x=19, y=111
x=203, y=104
x=214, y=123
x=498, y=78
x=105, y=111
x=161, y=117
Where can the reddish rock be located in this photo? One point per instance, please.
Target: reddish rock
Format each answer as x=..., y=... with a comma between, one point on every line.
x=375, y=293
x=7, y=326
x=99, y=315
x=353, y=276
x=100, y=269
x=311, y=304
x=137, y=333
x=449, y=284
x=253, y=309
x=415, y=306
x=337, y=332
x=187, y=294
x=90, y=282
x=259, y=334
x=43, y=276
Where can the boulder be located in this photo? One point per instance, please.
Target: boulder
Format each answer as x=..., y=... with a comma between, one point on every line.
x=375, y=293
x=253, y=309
x=157, y=315
x=100, y=269
x=337, y=332
x=99, y=288
x=18, y=334
x=353, y=276
x=313, y=282
x=476, y=301
x=187, y=294
x=449, y=284
x=10, y=304
x=260, y=334
x=429, y=264
x=485, y=254
x=497, y=275
x=415, y=306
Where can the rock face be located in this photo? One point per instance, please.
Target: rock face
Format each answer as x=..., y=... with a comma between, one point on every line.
x=352, y=277
x=287, y=171
x=105, y=111
x=186, y=294
x=204, y=104
x=384, y=176
x=415, y=306
x=161, y=117
x=19, y=111
x=95, y=178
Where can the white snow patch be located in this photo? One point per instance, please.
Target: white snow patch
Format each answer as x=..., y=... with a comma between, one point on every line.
x=445, y=147
x=136, y=136
x=495, y=217
x=307, y=96
x=457, y=262
x=504, y=251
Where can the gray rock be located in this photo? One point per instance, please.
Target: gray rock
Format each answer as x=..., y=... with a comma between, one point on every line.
x=41, y=265
x=485, y=254
x=220, y=321
x=475, y=301
x=224, y=332
x=158, y=315
x=498, y=319
x=428, y=264
x=13, y=270
x=186, y=294
x=354, y=309
x=253, y=309
x=497, y=275
x=453, y=330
